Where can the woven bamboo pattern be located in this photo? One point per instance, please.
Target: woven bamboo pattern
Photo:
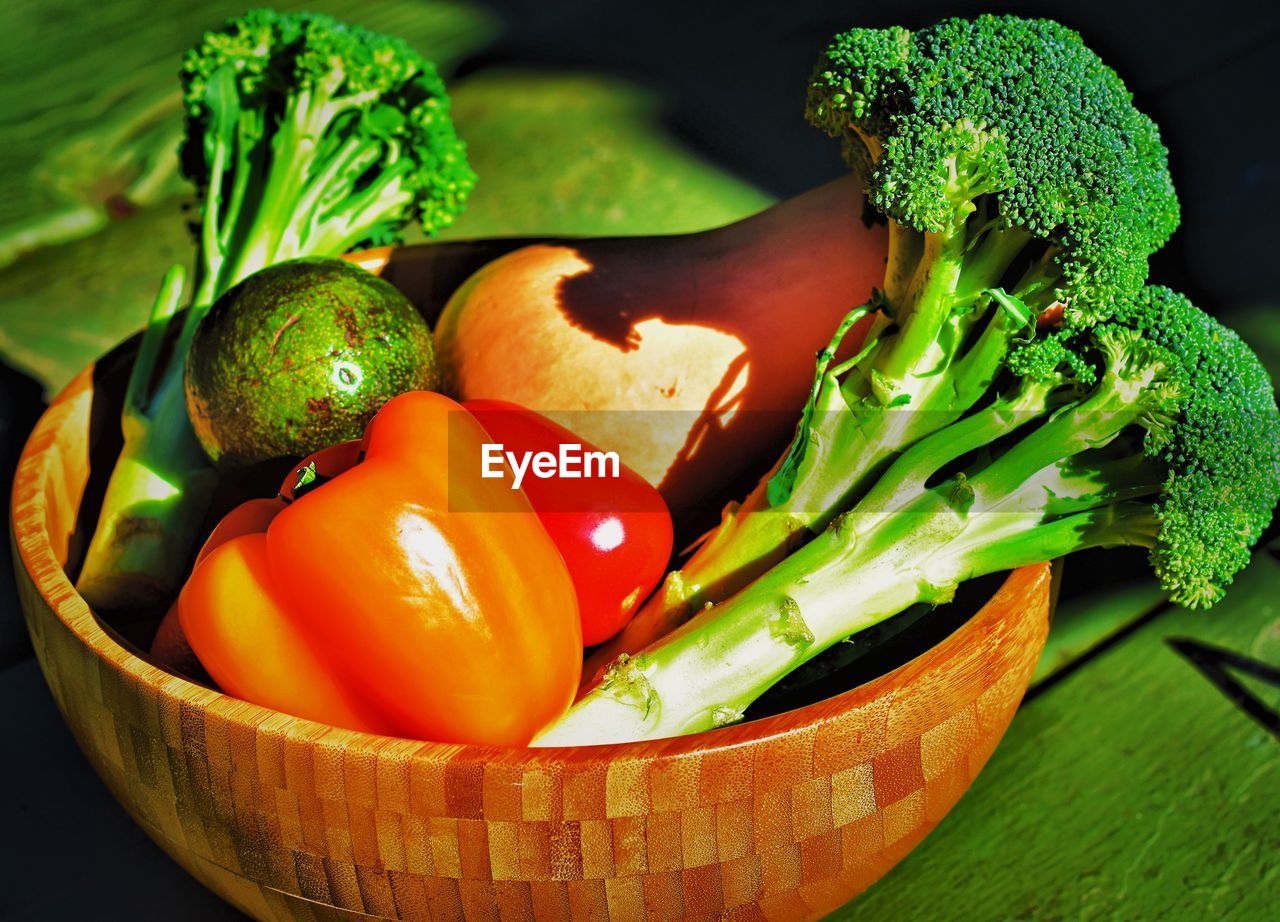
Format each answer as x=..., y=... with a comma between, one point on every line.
x=782, y=818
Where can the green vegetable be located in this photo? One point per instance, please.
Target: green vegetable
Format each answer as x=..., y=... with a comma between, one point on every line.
x=1155, y=428
x=300, y=356
x=304, y=137
x=1016, y=177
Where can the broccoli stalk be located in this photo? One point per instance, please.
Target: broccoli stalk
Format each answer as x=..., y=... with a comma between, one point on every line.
x=1016, y=177
x=1157, y=429
x=304, y=137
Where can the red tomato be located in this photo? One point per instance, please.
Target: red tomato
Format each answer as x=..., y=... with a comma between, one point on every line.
x=613, y=532
x=329, y=463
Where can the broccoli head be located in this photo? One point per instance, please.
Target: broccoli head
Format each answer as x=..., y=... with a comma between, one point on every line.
x=1017, y=178
x=1220, y=451
x=1023, y=192
x=308, y=137
x=1015, y=120
x=1160, y=419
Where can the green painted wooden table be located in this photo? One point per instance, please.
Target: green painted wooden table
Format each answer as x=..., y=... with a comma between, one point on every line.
x=1142, y=777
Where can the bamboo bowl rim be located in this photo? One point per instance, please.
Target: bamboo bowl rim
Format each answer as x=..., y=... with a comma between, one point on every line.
x=69, y=412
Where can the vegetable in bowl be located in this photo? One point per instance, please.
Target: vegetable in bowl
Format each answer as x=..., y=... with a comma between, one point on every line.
x=1017, y=178
x=239, y=619
x=1024, y=194
x=1156, y=428
x=676, y=351
x=395, y=596
x=304, y=137
x=299, y=356
x=613, y=529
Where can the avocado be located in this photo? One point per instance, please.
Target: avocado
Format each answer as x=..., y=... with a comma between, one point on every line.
x=300, y=356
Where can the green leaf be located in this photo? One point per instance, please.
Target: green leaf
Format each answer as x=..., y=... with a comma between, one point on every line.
x=89, y=185
x=306, y=476
x=783, y=482
x=582, y=155
x=1022, y=315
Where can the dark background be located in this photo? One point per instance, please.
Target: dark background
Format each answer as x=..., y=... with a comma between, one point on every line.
x=732, y=77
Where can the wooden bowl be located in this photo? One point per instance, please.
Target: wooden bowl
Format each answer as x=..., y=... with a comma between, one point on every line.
x=785, y=817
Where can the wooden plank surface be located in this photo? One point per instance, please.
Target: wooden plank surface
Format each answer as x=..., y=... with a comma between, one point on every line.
x=1134, y=788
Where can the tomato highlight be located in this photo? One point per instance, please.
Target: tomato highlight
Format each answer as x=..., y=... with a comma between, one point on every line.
x=614, y=532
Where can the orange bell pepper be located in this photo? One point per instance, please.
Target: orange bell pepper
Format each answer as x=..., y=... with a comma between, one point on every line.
x=170, y=647
x=245, y=637
x=242, y=634
x=431, y=624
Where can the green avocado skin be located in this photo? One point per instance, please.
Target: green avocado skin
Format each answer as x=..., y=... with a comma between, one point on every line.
x=300, y=356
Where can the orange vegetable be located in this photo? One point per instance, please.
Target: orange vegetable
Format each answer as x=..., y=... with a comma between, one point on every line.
x=243, y=632
x=460, y=626
x=456, y=626
x=240, y=631
x=677, y=352
x=170, y=647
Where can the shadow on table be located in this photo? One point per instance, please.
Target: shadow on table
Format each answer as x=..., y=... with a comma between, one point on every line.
x=21, y=403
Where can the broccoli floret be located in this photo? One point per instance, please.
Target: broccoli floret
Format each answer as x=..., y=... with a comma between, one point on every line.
x=1222, y=451
x=1015, y=121
x=304, y=137
x=1171, y=442
x=1016, y=176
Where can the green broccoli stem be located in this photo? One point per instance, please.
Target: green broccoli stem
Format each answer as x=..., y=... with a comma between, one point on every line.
x=852, y=435
x=212, y=249
x=910, y=473
x=930, y=308
x=707, y=672
x=354, y=154
x=160, y=486
x=915, y=381
x=901, y=545
x=861, y=571
x=155, y=501
x=292, y=149
x=354, y=217
x=1119, y=401
x=1068, y=488
x=905, y=248
x=247, y=174
x=282, y=224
